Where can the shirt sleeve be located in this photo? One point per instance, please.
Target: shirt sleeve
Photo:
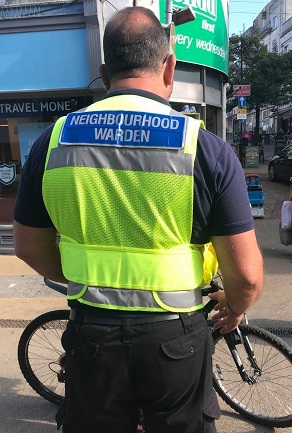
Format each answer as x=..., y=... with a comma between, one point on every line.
x=221, y=203
x=30, y=209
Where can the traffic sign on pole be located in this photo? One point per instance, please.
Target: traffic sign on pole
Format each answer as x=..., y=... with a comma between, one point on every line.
x=241, y=90
x=241, y=102
x=241, y=114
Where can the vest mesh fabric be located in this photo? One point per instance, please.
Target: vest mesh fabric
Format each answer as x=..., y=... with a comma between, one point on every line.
x=126, y=227
x=125, y=208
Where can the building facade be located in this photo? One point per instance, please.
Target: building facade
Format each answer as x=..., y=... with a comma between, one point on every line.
x=275, y=25
x=45, y=70
x=275, y=29
x=50, y=51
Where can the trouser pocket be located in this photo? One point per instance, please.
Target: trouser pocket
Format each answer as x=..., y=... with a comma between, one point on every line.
x=77, y=345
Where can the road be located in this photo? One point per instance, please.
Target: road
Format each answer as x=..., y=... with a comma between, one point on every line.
x=23, y=296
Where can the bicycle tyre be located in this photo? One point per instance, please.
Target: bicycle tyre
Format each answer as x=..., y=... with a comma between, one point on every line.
x=269, y=400
x=40, y=353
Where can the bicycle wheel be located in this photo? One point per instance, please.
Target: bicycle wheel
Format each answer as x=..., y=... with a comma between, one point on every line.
x=268, y=401
x=41, y=356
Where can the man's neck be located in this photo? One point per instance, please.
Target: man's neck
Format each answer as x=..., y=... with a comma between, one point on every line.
x=138, y=92
x=146, y=84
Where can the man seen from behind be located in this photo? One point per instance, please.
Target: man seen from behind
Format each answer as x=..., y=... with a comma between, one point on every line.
x=140, y=195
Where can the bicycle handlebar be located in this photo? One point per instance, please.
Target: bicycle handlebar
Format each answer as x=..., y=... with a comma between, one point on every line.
x=208, y=307
x=56, y=286
x=60, y=288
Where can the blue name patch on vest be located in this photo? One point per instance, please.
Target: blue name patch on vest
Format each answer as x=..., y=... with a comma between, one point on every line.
x=124, y=128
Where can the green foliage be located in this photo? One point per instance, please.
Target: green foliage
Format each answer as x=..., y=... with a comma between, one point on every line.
x=268, y=73
x=270, y=77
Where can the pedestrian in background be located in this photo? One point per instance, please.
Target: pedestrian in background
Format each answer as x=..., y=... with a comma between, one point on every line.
x=138, y=192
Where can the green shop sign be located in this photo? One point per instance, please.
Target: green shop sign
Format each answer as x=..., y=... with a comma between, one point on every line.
x=203, y=41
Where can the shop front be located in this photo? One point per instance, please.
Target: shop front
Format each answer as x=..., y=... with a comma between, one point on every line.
x=51, y=64
x=21, y=122
x=285, y=120
x=201, y=49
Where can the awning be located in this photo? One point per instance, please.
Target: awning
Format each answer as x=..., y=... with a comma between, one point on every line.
x=285, y=114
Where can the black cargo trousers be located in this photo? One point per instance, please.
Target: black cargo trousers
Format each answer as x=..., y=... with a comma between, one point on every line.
x=163, y=368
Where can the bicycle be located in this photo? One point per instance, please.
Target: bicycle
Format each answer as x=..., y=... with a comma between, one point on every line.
x=252, y=368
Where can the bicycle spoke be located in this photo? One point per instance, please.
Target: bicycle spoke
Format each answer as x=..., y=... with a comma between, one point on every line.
x=41, y=356
x=270, y=397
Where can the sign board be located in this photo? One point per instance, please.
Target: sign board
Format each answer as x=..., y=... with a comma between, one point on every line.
x=241, y=102
x=7, y=173
x=203, y=41
x=241, y=90
x=42, y=107
x=241, y=116
x=241, y=111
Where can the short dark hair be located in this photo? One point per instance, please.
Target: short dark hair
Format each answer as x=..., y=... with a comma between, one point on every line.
x=130, y=48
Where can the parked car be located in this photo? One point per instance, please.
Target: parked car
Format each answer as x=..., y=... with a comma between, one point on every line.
x=280, y=165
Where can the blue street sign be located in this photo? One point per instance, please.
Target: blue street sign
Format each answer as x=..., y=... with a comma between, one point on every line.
x=242, y=101
x=124, y=128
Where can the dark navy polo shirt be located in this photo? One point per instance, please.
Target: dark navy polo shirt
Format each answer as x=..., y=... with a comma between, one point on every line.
x=221, y=204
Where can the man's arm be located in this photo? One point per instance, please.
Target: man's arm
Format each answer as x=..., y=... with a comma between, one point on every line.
x=38, y=247
x=241, y=265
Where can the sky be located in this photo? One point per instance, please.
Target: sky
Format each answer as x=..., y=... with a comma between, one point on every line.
x=242, y=13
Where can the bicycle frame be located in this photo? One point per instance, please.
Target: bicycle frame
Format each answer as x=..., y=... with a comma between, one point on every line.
x=233, y=338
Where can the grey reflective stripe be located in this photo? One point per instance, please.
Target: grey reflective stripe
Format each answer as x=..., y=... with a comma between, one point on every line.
x=126, y=298
x=119, y=297
x=121, y=159
x=74, y=289
x=182, y=298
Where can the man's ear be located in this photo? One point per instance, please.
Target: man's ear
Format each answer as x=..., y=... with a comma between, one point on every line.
x=104, y=77
x=169, y=69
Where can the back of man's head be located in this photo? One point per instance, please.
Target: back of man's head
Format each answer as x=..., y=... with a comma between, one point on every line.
x=134, y=42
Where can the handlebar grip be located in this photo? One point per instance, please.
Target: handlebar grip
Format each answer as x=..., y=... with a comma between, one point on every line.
x=211, y=289
x=56, y=286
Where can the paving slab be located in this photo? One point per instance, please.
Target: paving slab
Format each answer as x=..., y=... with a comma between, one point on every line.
x=12, y=265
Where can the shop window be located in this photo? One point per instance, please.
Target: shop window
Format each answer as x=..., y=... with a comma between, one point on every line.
x=275, y=46
x=213, y=79
x=211, y=119
x=275, y=22
x=17, y=135
x=22, y=121
x=187, y=73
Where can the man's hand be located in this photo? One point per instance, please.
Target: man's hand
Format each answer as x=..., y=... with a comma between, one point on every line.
x=241, y=266
x=225, y=319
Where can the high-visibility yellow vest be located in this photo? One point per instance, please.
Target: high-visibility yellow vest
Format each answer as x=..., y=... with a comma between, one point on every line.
x=119, y=187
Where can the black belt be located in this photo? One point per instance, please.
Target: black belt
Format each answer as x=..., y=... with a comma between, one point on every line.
x=94, y=319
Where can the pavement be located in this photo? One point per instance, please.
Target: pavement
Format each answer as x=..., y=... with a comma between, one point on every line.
x=21, y=283
x=23, y=296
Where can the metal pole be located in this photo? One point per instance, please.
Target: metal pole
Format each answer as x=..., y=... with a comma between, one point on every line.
x=203, y=104
x=241, y=79
x=168, y=12
x=241, y=62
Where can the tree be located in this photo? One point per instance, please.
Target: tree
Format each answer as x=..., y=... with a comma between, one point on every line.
x=268, y=73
